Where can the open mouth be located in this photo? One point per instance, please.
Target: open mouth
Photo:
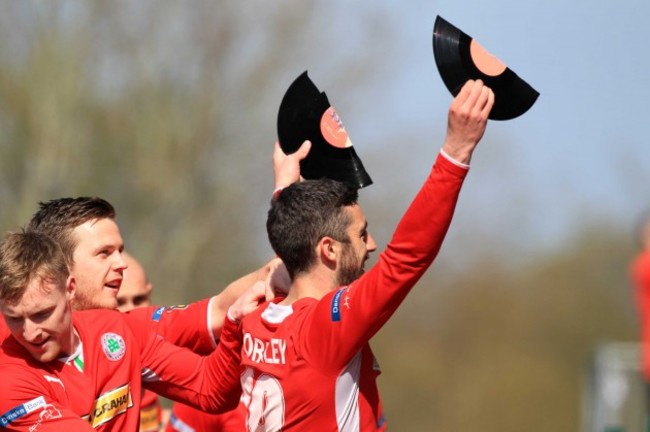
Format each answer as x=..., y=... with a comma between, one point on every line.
x=114, y=284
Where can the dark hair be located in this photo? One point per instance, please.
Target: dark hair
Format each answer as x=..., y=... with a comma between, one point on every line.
x=25, y=256
x=57, y=218
x=304, y=213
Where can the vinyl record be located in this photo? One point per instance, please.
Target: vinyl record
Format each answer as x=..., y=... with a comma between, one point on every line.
x=306, y=114
x=460, y=58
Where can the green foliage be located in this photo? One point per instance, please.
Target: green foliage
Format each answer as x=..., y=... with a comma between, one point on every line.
x=500, y=350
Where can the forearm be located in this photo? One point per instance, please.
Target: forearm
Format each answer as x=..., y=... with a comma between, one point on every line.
x=221, y=302
x=209, y=383
x=366, y=304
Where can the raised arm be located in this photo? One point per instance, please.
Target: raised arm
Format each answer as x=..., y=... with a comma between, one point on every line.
x=346, y=319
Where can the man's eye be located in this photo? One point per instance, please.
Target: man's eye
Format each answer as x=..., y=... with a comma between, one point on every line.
x=42, y=315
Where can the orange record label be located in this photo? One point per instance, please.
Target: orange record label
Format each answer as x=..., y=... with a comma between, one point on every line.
x=484, y=61
x=332, y=129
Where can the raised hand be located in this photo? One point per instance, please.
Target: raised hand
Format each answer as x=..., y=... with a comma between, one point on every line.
x=286, y=168
x=468, y=115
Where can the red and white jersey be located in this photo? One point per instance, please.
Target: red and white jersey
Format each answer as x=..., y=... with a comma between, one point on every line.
x=186, y=326
x=308, y=366
x=119, y=353
x=184, y=418
x=640, y=278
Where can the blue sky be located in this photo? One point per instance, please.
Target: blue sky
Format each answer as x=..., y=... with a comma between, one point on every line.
x=578, y=155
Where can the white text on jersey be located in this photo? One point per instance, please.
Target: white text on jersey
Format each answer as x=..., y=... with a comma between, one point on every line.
x=261, y=351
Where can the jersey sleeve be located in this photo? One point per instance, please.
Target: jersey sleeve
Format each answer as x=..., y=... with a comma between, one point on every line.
x=186, y=326
x=209, y=383
x=26, y=405
x=345, y=319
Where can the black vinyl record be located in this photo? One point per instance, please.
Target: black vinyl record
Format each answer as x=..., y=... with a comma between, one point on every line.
x=452, y=52
x=306, y=114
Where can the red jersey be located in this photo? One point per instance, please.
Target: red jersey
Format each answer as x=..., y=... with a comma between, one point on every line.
x=119, y=353
x=184, y=418
x=308, y=366
x=640, y=276
x=187, y=326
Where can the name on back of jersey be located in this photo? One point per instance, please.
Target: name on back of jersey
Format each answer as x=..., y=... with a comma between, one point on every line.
x=272, y=351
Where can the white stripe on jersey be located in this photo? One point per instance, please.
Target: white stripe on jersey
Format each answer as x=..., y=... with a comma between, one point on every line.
x=347, y=396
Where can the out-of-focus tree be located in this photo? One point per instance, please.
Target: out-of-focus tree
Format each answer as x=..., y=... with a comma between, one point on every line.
x=166, y=109
x=498, y=348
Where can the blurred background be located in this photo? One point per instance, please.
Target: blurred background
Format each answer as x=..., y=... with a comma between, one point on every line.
x=168, y=110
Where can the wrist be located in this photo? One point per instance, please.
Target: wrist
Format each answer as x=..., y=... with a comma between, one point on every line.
x=456, y=158
x=233, y=316
x=276, y=192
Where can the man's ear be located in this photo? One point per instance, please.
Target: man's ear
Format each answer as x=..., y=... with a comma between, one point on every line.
x=70, y=288
x=328, y=249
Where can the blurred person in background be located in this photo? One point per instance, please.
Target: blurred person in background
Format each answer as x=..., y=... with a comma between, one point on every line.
x=640, y=279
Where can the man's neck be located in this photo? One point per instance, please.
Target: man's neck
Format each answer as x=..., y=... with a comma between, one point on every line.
x=75, y=341
x=315, y=284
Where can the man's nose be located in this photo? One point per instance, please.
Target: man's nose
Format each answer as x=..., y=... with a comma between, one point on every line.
x=32, y=332
x=370, y=244
x=118, y=261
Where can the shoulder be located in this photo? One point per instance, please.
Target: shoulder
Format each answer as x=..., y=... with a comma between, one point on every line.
x=103, y=325
x=98, y=318
x=20, y=373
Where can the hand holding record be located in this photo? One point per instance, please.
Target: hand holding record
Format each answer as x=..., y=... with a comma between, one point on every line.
x=468, y=115
x=460, y=58
x=306, y=114
x=286, y=168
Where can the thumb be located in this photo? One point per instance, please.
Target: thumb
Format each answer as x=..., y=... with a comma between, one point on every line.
x=303, y=150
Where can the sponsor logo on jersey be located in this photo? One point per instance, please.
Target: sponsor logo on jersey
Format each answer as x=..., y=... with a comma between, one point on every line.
x=50, y=412
x=336, y=305
x=111, y=404
x=265, y=351
x=113, y=346
x=157, y=315
x=21, y=410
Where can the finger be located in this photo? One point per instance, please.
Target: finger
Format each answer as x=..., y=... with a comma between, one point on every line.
x=269, y=291
x=474, y=95
x=482, y=99
x=258, y=291
x=277, y=150
x=489, y=104
x=278, y=154
x=303, y=150
x=464, y=92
